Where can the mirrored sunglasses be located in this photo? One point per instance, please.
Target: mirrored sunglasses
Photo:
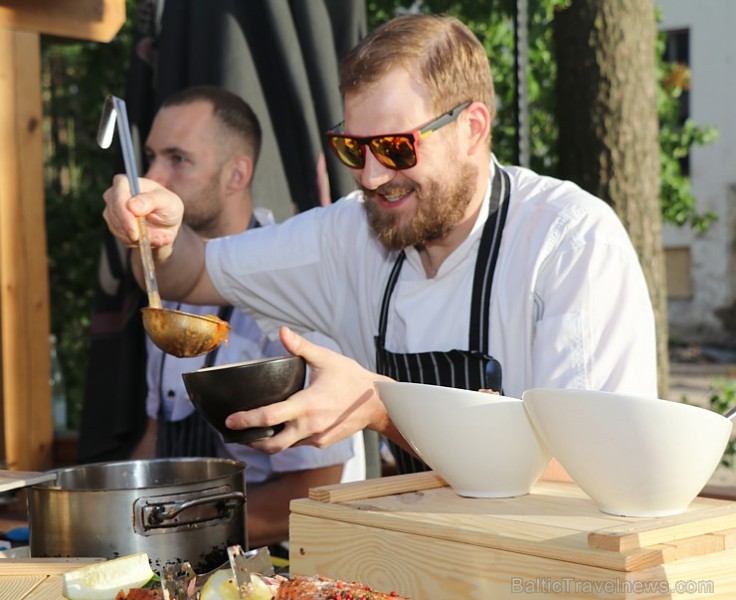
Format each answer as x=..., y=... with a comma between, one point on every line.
x=393, y=150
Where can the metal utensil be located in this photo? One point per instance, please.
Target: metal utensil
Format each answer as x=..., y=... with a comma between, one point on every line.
x=243, y=564
x=731, y=414
x=175, y=332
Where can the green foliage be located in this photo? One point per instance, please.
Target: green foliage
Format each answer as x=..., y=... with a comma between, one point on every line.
x=77, y=76
x=675, y=141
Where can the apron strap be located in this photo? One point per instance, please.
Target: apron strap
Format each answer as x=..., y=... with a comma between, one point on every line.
x=485, y=265
x=380, y=339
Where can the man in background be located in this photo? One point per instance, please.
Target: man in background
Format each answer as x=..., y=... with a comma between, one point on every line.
x=204, y=143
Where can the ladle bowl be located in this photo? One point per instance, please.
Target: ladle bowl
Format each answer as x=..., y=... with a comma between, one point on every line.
x=184, y=334
x=175, y=332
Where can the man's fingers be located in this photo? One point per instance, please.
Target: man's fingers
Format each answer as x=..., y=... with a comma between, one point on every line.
x=265, y=416
x=301, y=346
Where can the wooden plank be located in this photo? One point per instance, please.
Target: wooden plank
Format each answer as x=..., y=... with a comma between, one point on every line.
x=13, y=480
x=729, y=537
x=557, y=520
x=374, y=488
x=37, y=578
x=24, y=292
x=538, y=525
x=423, y=567
x=96, y=20
x=20, y=587
x=703, y=516
x=698, y=545
x=10, y=567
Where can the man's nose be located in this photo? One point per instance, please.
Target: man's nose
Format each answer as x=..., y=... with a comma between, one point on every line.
x=374, y=174
x=158, y=173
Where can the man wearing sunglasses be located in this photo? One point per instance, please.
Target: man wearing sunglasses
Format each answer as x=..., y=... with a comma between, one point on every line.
x=441, y=263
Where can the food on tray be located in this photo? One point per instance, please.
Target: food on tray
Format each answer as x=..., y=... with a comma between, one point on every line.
x=322, y=588
x=103, y=581
x=141, y=594
x=131, y=578
x=487, y=391
x=222, y=586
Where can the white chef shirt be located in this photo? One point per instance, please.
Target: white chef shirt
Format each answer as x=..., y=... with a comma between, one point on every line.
x=570, y=306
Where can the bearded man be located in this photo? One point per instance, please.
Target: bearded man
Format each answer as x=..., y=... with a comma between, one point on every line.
x=441, y=262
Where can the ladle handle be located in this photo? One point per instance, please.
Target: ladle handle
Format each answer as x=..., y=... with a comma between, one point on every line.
x=144, y=242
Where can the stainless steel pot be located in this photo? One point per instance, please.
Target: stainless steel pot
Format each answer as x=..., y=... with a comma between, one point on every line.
x=173, y=509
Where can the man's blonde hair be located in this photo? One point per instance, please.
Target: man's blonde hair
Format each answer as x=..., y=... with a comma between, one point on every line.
x=448, y=59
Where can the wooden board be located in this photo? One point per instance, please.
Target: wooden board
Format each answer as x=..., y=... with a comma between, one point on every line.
x=421, y=567
x=413, y=534
x=97, y=20
x=36, y=578
x=13, y=480
x=557, y=520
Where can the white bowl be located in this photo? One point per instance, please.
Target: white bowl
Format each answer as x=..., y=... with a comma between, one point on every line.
x=636, y=457
x=483, y=445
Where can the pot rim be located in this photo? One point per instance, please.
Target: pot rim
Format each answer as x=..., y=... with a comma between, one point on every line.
x=52, y=485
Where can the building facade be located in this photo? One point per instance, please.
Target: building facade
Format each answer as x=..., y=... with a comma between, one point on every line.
x=701, y=268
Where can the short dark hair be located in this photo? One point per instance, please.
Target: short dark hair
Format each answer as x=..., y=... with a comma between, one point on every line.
x=229, y=108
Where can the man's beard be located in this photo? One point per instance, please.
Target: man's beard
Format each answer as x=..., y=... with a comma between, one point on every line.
x=202, y=209
x=439, y=209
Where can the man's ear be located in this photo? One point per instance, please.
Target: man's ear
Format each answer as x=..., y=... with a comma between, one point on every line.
x=239, y=172
x=479, y=126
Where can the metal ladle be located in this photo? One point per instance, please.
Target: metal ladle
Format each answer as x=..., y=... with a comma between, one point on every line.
x=175, y=332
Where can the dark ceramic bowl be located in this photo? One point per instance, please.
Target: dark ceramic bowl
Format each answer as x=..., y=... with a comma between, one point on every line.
x=219, y=391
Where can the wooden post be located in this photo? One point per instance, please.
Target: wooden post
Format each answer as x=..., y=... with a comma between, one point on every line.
x=26, y=431
x=24, y=295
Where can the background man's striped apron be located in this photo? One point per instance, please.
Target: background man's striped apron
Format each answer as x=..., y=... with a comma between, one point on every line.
x=191, y=436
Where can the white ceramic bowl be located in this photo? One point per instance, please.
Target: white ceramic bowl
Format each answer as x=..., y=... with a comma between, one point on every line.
x=482, y=445
x=636, y=457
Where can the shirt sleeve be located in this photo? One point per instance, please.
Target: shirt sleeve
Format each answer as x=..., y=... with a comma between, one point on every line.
x=595, y=327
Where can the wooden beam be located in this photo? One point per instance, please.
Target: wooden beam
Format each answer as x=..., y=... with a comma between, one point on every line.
x=96, y=20
x=24, y=289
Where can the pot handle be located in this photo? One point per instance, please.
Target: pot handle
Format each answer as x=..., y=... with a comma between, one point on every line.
x=160, y=513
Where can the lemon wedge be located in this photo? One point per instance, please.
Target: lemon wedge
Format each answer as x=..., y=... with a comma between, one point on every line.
x=222, y=586
x=102, y=581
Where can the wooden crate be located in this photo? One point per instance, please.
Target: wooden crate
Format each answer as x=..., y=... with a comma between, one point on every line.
x=413, y=534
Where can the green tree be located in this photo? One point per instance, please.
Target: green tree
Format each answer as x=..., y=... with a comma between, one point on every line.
x=76, y=78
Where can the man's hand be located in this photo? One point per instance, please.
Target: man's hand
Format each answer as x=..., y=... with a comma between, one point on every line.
x=163, y=211
x=339, y=401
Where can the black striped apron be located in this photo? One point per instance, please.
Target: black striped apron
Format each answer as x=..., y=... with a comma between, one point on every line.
x=192, y=435
x=464, y=369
